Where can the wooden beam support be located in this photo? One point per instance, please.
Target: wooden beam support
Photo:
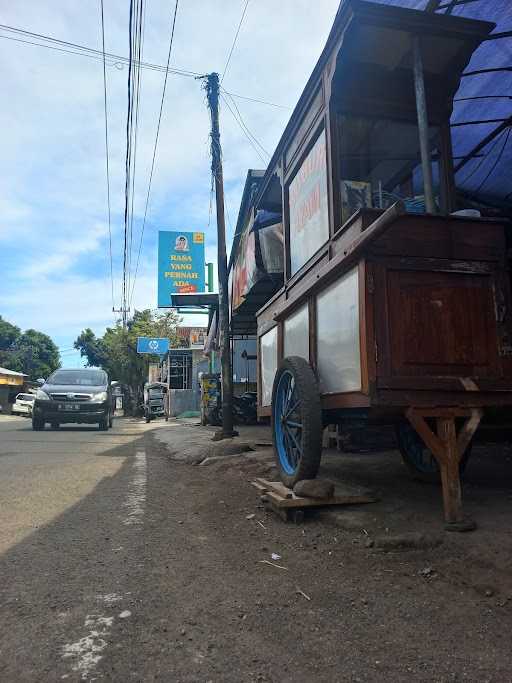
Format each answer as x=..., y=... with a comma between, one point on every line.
x=468, y=431
x=448, y=449
x=450, y=475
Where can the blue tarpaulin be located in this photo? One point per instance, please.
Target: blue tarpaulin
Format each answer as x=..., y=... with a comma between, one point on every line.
x=486, y=177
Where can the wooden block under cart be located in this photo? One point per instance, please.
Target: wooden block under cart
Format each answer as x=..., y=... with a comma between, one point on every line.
x=282, y=500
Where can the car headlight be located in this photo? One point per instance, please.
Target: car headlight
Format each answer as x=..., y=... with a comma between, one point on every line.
x=42, y=395
x=101, y=396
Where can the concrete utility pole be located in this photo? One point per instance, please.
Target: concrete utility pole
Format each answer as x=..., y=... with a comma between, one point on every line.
x=212, y=94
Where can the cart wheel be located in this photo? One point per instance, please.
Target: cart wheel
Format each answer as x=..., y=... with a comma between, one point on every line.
x=419, y=459
x=296, y=421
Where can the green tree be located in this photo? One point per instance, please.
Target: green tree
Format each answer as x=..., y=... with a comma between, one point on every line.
x=31, y=352
x=9, y=334
x=37, y=355
x=116, y=350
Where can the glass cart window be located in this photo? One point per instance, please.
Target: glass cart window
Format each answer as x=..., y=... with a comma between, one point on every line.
x=380, y=163
x=268, y=361
x=296, y=334
x=339, y=358
x=309, y=218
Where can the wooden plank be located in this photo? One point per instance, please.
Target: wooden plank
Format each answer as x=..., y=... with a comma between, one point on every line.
x=430, y=439
x=261, y=487
x=282, y=497
x=279, y=488
x=296, y=502
x=468, y=430
x=439, y=411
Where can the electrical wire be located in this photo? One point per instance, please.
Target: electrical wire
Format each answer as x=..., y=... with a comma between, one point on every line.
x=139, y=48
x=247, y=128
x=116, y=60
x=85, y=51
x=171, y=41
x=107, y=153
x=253, y=145
x=132, y=30
x=254, y=99
x=234, y=41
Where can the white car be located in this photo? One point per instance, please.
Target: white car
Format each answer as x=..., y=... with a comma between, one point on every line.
x=23, y=404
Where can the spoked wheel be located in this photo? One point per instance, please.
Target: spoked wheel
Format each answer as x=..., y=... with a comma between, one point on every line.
x=296, y=421
x=419, y=459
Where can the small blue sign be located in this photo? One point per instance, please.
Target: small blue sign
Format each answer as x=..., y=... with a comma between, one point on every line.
x=180, y=265
x=152, y=345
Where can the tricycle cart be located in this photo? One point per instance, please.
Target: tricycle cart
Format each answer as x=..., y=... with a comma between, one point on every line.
x=155, y=401
x=394, y=310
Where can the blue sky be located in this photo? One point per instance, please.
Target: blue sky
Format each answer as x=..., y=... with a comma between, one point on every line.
x=53, y=219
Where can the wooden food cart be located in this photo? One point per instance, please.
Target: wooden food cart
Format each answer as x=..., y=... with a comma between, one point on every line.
x=393, y=310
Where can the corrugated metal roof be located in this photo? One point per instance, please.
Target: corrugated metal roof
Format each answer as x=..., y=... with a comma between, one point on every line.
x=5, y=371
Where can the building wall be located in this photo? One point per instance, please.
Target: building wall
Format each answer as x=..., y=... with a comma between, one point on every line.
x=4, y=398
x=183, y=400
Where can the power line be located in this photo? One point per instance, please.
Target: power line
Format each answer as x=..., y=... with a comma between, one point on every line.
x=134, y=38
x=253, y=145
x=234, y=41
x=155, y=148
x=85, y=51
x=107, y=153
x=247, y=128
x=137, y=90
x=115, y=60
x=254, y=99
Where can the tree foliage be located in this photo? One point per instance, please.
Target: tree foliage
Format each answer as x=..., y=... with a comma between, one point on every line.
x=30, y=352
x=116, y=350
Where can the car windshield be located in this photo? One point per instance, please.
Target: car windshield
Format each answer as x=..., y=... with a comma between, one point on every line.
x=89, y=378
x=25, y=397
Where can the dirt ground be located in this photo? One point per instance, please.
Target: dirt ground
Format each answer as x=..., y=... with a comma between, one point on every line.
x=366, y=593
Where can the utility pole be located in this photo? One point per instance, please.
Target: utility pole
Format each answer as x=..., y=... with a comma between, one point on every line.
x=124, y=311
x=212, y=95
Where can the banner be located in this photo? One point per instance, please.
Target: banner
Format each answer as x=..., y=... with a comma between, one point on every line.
x=180, y=264
x=157, y=346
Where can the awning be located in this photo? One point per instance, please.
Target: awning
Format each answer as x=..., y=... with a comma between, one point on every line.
x=195, y=300
x=481, y=122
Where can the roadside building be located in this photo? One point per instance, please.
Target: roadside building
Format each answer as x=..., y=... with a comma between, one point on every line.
x=11, y=383
x=187, y=361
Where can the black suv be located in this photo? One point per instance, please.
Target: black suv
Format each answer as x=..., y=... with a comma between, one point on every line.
x=80, y=396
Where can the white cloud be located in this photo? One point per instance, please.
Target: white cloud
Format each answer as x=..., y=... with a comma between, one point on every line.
x=53, y=230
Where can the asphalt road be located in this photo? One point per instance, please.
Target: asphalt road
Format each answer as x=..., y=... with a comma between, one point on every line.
x=72, y=505
x=119, y=563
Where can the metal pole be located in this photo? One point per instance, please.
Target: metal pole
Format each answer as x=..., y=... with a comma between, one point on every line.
x=211, y=359
x=168, y=384
x=421, y=109
x=212, y=93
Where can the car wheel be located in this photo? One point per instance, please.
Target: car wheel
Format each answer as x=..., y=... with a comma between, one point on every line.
x=110, y=420
x=37, y=424
x=103, y=425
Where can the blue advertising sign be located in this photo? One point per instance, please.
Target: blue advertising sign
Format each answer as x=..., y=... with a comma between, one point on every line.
x=152, y=345
x=180, y=264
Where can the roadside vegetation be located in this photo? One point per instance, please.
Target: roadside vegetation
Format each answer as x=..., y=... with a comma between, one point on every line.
x=116, y=350
x=31, y=352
